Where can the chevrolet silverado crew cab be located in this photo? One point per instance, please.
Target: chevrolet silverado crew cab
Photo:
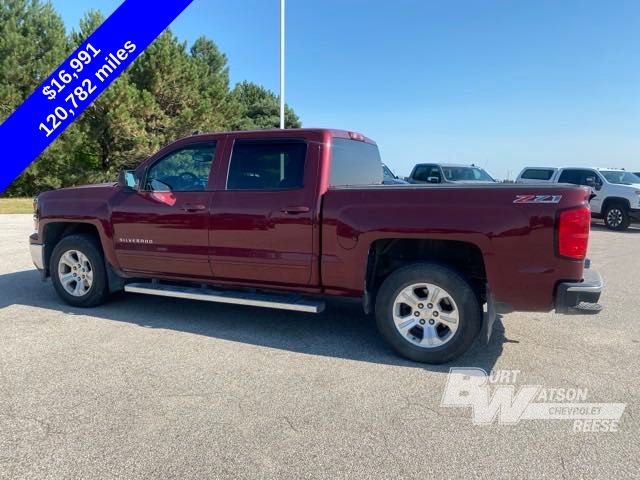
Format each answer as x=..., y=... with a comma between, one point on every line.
x=615, y=192
x=286, y=218
x=448, y=173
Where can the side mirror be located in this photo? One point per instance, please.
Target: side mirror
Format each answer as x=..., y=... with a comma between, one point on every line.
x=127, y=180
x=433, y=179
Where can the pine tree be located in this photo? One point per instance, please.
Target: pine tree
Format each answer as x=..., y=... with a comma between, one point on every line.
x=32, y=45
x=115, y=123
x=216, y=111
x=167, y=73
x=260, y=108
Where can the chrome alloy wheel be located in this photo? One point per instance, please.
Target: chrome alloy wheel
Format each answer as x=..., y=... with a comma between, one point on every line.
x=75, y=273
x=426, y=315
x=614, y=217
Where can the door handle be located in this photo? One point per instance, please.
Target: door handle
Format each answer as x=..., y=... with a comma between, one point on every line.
x=191, y=207
x=295, y=210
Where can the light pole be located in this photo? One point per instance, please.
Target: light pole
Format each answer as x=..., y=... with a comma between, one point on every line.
x=282, y=63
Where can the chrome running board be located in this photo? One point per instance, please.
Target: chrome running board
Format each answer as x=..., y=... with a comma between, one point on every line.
x=266, y=300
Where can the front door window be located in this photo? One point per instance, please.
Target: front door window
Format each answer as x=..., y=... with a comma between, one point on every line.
x=185, y=170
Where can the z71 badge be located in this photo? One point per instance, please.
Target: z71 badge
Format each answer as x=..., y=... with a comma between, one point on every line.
x=538, y=199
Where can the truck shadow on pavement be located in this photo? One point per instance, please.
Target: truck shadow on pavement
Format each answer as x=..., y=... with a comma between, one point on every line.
x=341, y=331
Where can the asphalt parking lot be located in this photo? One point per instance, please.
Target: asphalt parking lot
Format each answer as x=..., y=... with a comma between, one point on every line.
x=147, y=387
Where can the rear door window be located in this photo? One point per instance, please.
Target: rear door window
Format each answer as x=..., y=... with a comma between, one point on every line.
x=537, y=174
x=267, y=165
x=423, y=172
x=570, y=176
x=578, y=177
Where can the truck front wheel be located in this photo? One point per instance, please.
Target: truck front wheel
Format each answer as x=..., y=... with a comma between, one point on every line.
x=78, y=272
x=428, y=313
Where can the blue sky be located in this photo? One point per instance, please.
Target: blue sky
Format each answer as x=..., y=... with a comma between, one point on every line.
x=500, y=83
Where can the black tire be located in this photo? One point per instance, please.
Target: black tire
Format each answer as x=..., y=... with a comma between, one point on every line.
x=616, y=217
x=90, y=247
x=470, y=313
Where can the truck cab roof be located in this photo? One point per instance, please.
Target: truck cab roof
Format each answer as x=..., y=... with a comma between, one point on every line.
x=286, y=132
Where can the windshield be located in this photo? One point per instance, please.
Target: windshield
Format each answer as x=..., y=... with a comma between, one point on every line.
x=620, y=177
x=466, y=174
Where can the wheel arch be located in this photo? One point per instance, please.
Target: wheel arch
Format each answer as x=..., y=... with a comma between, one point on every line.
x=54, y=231
x=609, y=201
x=387, y=255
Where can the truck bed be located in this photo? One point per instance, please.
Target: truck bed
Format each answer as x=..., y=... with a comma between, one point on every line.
x=484, y=216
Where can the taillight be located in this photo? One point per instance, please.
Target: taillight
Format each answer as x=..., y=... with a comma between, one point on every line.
x=573, y=233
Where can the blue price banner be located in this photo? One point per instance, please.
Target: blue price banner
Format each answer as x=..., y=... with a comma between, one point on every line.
x=79, y=80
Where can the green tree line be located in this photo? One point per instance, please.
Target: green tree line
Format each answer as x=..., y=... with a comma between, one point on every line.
x=170, y=91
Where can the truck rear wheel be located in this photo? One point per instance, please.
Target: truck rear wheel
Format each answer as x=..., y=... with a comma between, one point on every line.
x=78, y=272
x=428, y=313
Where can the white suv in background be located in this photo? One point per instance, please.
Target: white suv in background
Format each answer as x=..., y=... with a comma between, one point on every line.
x=616, y=192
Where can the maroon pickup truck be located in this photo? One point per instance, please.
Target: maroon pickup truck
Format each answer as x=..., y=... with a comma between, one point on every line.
x=286, y=218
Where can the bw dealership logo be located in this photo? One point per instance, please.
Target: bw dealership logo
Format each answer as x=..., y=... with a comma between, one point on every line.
x=495, y=396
